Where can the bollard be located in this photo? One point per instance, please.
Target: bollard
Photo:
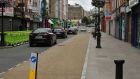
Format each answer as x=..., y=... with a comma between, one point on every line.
x=119, y=68
x=98, y=39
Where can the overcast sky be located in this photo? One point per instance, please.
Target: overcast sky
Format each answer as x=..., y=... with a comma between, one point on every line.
x=86, y=4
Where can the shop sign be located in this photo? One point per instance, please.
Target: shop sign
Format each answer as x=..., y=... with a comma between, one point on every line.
x=8, y=11
x=108, y=17
x=133, y=3
x=1, y=10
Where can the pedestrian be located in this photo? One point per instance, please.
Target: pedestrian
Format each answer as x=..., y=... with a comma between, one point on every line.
x=94, y=33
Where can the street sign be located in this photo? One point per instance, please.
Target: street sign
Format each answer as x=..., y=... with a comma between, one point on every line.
x=33, y=65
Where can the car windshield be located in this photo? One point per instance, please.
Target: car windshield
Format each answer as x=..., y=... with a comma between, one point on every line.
x=57, y=30
x=42, y=30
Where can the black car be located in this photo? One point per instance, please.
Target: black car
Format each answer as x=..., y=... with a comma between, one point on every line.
x=42, y=36
x=73, y=30
x=60, y=33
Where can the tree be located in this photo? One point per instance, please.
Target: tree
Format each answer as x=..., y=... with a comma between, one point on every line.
x=86, y=20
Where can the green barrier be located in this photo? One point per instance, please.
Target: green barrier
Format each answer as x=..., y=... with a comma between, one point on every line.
x=15, y=37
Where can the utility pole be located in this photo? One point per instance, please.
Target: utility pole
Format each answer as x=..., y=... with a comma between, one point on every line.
x=2, y=40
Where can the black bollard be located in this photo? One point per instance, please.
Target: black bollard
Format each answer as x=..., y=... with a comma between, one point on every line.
x=98, y=39
x=119, y=68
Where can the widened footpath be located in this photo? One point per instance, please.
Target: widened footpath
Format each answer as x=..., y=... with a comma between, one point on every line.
x=63, y=61
x=100, y=62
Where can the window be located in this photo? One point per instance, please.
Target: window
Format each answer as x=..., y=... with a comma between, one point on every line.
x=34, y=4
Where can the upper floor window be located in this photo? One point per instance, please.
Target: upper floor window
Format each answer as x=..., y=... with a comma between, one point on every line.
x=34, y=4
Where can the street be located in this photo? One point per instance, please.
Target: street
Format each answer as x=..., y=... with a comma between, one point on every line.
x=13, y=56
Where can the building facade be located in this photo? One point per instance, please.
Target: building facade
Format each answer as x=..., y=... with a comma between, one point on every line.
x=116, y=25
x=58, y=9
x=22, y=15
x=135, y=22
x=125, y=21
x=75, y=11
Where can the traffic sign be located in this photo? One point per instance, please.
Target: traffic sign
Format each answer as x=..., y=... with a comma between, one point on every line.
x=33, y=59
x=33, y=65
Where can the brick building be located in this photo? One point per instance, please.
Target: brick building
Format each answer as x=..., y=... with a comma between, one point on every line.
x=75, y=11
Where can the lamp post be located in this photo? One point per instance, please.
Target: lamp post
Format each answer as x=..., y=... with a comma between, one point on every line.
x=99, y=4
x=2, y=5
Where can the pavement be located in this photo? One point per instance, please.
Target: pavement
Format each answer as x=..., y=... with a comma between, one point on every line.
x=78, y=58
x=100, y=62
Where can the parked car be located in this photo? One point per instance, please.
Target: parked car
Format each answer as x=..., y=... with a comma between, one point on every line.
x=73, y=30
x=60, y=32
x=83, y=29
x=42, y=36
x=91, y=25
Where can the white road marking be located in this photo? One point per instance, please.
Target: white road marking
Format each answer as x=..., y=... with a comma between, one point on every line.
x=2, y=73
x=86, y=61
x=18, y=65
x=10, y=69
x=25, y=61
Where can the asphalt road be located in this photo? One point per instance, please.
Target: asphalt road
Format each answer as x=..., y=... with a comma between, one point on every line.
x=10, y=57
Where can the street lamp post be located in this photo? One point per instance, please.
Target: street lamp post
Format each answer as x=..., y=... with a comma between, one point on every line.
x=98, y=33
x=99, y=4
x=2, y=5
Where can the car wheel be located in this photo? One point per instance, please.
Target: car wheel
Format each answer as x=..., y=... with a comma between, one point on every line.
x=55, y=41
x=66, y=36
x=31, y=44
x=51, y=42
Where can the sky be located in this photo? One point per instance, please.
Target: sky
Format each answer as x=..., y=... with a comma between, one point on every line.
x=86, y=4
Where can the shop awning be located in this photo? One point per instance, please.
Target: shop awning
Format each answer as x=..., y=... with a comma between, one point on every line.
x=50, y=21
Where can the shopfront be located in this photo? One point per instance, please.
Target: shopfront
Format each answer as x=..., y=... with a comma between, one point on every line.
x=135, y=25
x=138, y=31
